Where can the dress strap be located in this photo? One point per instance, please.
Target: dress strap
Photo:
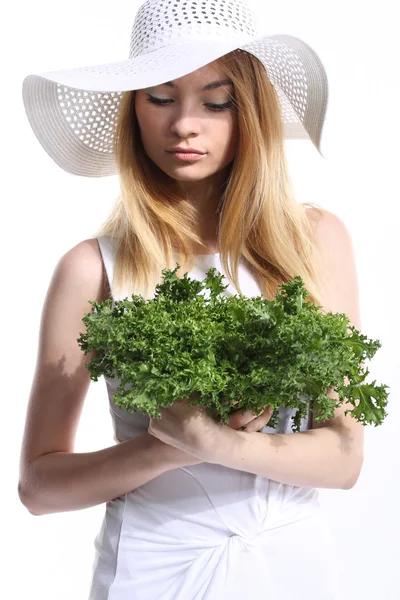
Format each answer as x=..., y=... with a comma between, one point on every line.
x=107, y=251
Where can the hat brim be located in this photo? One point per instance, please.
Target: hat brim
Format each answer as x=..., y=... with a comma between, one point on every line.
x=82, y=151
x=166, y=63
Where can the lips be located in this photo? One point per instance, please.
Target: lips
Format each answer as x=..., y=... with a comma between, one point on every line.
x=185, y=151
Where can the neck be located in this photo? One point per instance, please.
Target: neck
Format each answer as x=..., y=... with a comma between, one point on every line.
x=206, y=195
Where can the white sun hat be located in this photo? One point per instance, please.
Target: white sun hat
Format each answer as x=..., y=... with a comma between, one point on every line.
x=73, y=112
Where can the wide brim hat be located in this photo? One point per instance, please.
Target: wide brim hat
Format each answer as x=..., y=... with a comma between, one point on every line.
x=73, y=112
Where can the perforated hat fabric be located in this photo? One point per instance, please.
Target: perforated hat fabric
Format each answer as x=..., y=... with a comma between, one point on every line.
x=73, y=112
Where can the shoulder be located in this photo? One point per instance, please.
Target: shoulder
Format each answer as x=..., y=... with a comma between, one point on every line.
x=331, y=235
x=84, y=258
x=335, y=245
x=325, y=221
x=83, y=265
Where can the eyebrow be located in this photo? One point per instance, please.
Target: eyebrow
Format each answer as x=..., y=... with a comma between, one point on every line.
x=210, y=86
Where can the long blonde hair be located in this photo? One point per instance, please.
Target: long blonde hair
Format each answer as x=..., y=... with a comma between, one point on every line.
x=260, y=221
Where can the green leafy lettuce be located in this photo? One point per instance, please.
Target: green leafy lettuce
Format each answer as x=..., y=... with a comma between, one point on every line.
x=230, y=353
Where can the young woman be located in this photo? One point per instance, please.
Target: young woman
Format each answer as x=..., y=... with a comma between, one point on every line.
x=194, y=125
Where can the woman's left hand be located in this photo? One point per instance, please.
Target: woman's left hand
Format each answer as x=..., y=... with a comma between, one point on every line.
x=191, y=429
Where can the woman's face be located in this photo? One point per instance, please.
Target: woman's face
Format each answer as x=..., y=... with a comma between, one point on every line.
x=188, y=117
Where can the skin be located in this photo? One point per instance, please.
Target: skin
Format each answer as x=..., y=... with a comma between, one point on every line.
x=188, y=120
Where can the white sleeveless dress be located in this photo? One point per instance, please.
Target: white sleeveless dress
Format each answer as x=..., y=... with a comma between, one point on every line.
x=207, y=532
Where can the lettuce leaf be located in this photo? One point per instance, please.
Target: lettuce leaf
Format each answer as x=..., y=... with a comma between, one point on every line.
x=216, y=350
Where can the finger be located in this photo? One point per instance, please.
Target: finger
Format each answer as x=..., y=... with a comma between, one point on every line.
x=225, y=402
x=259, y=422
x=239, y=418
x=249, y=419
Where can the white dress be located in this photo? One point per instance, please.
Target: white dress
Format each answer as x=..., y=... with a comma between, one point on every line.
x=207, y=532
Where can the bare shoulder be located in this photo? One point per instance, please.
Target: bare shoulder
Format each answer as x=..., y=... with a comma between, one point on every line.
x=83, y=265
x=326, y=222
x=338, y=261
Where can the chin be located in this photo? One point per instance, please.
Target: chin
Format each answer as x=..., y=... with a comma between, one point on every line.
x=193, y=177
x=189, y=174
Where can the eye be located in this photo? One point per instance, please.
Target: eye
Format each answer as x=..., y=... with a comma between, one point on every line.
x=224, y=106
x=154, y=100
x=210, y=105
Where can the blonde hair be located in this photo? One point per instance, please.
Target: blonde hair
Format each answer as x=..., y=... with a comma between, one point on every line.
x=259, y=218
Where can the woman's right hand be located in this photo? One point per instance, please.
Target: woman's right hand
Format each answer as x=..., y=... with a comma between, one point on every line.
x=249, y=421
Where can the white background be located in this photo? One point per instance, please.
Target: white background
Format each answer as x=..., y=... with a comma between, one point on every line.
x=46, y=211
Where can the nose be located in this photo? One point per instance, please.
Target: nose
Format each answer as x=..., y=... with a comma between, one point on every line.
x=185, y=122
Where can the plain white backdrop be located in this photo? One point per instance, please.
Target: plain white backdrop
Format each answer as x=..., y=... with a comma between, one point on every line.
x=46, y=211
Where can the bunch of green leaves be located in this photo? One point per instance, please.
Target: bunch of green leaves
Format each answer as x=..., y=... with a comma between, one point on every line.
x=228, y=353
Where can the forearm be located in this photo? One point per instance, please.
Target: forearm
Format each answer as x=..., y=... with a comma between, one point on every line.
x=67, y=481
x=321, y=458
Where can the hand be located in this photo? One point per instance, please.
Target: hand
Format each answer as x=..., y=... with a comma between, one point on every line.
x=249, y=421
x=191, y=429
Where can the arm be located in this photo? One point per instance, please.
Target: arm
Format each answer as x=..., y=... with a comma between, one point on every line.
x=53, y=478
x=329, y=455
x=66, y=481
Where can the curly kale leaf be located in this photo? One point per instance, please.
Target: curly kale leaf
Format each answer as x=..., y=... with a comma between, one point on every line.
x=220, y=350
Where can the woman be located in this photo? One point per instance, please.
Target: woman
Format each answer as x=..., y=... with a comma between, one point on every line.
x=194, y=510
